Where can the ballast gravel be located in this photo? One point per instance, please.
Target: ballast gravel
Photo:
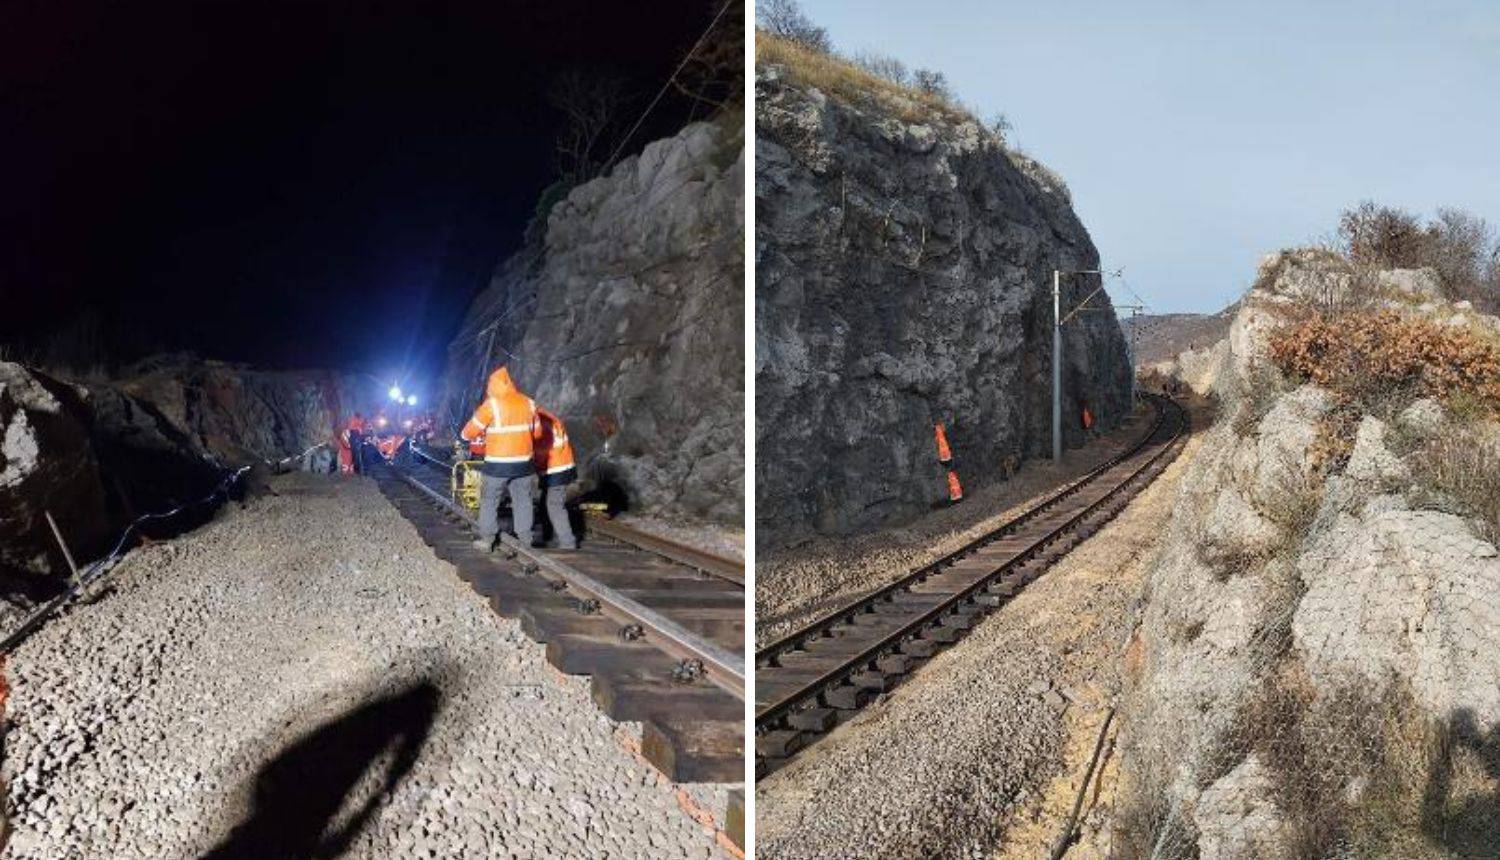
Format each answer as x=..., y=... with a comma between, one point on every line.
x=304, y=678
x=970, y=757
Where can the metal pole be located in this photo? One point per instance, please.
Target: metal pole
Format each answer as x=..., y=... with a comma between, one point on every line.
x=67, y=554
x=1135, y=324
x=1056, y=366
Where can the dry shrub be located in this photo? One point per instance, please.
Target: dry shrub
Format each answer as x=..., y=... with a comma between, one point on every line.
x=845, y=80
x=1462, y=462
x=1377, y=360
x=1355, y=775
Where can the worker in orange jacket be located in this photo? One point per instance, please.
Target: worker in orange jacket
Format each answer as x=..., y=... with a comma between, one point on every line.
x=351, y=445
x=553, y=458
x=506, y=419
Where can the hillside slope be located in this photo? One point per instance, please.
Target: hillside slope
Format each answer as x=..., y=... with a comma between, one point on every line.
x=1315, y=669
x=904, y=266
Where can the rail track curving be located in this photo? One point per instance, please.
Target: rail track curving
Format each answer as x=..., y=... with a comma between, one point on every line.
x=658, y=627
x=815, y=678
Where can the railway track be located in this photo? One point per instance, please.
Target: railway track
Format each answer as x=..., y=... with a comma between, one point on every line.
x=661, y=638
x=810, y=681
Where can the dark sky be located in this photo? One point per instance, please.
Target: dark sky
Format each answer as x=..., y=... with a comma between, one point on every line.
x=300, y=185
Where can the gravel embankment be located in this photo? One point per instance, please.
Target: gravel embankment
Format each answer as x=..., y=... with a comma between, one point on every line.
x=972, y=756
x=303, y=678
x=797, y=584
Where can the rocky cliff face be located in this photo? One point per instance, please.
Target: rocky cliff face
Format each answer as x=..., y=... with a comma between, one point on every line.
x=1317, y=667
x=904, y=266
x=630, y=326
x=98, y=455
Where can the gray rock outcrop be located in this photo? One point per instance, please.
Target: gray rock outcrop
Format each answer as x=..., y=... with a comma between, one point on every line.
x=1311, y=617
x=629, y=325
x=903, y=270
x=99, y=455
x=46, y=464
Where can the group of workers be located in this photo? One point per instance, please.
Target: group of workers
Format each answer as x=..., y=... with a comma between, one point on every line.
x=386, y=435
x=523, y=444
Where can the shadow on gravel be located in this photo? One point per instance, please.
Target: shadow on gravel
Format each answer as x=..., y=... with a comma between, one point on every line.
x=298, y=794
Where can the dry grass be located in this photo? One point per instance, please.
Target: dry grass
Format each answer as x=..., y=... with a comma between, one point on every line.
x=842, y=79
x=1462, y=463
x=1358, y=776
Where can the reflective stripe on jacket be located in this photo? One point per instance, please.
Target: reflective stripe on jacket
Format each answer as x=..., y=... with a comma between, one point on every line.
x=506, y=419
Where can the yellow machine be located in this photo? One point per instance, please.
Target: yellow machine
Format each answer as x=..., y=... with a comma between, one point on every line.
x=464, y=483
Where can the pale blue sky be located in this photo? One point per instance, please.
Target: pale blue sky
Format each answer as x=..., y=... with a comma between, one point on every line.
x=1198, y=136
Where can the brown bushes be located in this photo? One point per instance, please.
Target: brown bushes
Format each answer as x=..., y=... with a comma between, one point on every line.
x=1459, y=245
x=1374, y=359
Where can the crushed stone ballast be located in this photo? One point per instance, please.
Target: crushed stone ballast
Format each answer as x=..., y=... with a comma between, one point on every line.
x=812, y=680
x=660, y=639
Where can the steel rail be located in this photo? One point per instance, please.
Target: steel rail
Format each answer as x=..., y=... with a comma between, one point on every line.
x=721, y=666
x=701, y=560
x=690, y=556
x=768, y=654
x=786, y=704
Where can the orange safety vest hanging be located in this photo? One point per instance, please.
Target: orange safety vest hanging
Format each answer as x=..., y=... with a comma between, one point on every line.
x=945, y=459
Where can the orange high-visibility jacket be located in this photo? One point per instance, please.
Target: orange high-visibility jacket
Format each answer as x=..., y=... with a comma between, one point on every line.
x=554, y=453
x=507, y=418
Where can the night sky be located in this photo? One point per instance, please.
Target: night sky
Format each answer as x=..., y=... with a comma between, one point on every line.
x=292, y=186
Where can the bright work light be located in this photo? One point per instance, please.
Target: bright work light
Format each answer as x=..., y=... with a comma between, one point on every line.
x=395, y=392
x=412, y=400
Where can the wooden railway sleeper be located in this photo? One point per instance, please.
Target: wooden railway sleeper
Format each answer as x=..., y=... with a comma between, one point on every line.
x=813, y=719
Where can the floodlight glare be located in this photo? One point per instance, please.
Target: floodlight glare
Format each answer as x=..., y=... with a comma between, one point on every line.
x=395, y=392
x=412, y=400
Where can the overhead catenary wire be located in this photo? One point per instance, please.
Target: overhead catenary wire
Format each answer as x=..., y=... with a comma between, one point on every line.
x=670, y=78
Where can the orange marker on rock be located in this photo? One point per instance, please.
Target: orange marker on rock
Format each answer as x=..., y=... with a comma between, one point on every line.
x=945, y=458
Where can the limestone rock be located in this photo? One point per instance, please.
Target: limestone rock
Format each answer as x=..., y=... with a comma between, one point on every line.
x=629, y=325
x=904, y=277
x=1411, y=595
x=1236, y=817
x=1371, y=460
x=1423, y=417
x=98, y=456
x=1354, y=595
x=46, y=464
x=1418, y=284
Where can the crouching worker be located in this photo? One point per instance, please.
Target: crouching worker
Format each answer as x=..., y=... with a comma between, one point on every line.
x=554, y=463
x=506, y=419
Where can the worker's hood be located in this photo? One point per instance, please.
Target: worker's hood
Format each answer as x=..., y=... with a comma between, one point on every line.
x=500, y=383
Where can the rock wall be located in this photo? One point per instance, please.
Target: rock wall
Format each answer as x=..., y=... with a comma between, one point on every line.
x=903, y=272
x=240, y=415
x=1313, y=625
x=629, y=324
x=97, y=455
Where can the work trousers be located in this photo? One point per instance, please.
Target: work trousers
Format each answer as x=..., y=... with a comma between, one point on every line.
x=556, y=495
x=491, y=490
